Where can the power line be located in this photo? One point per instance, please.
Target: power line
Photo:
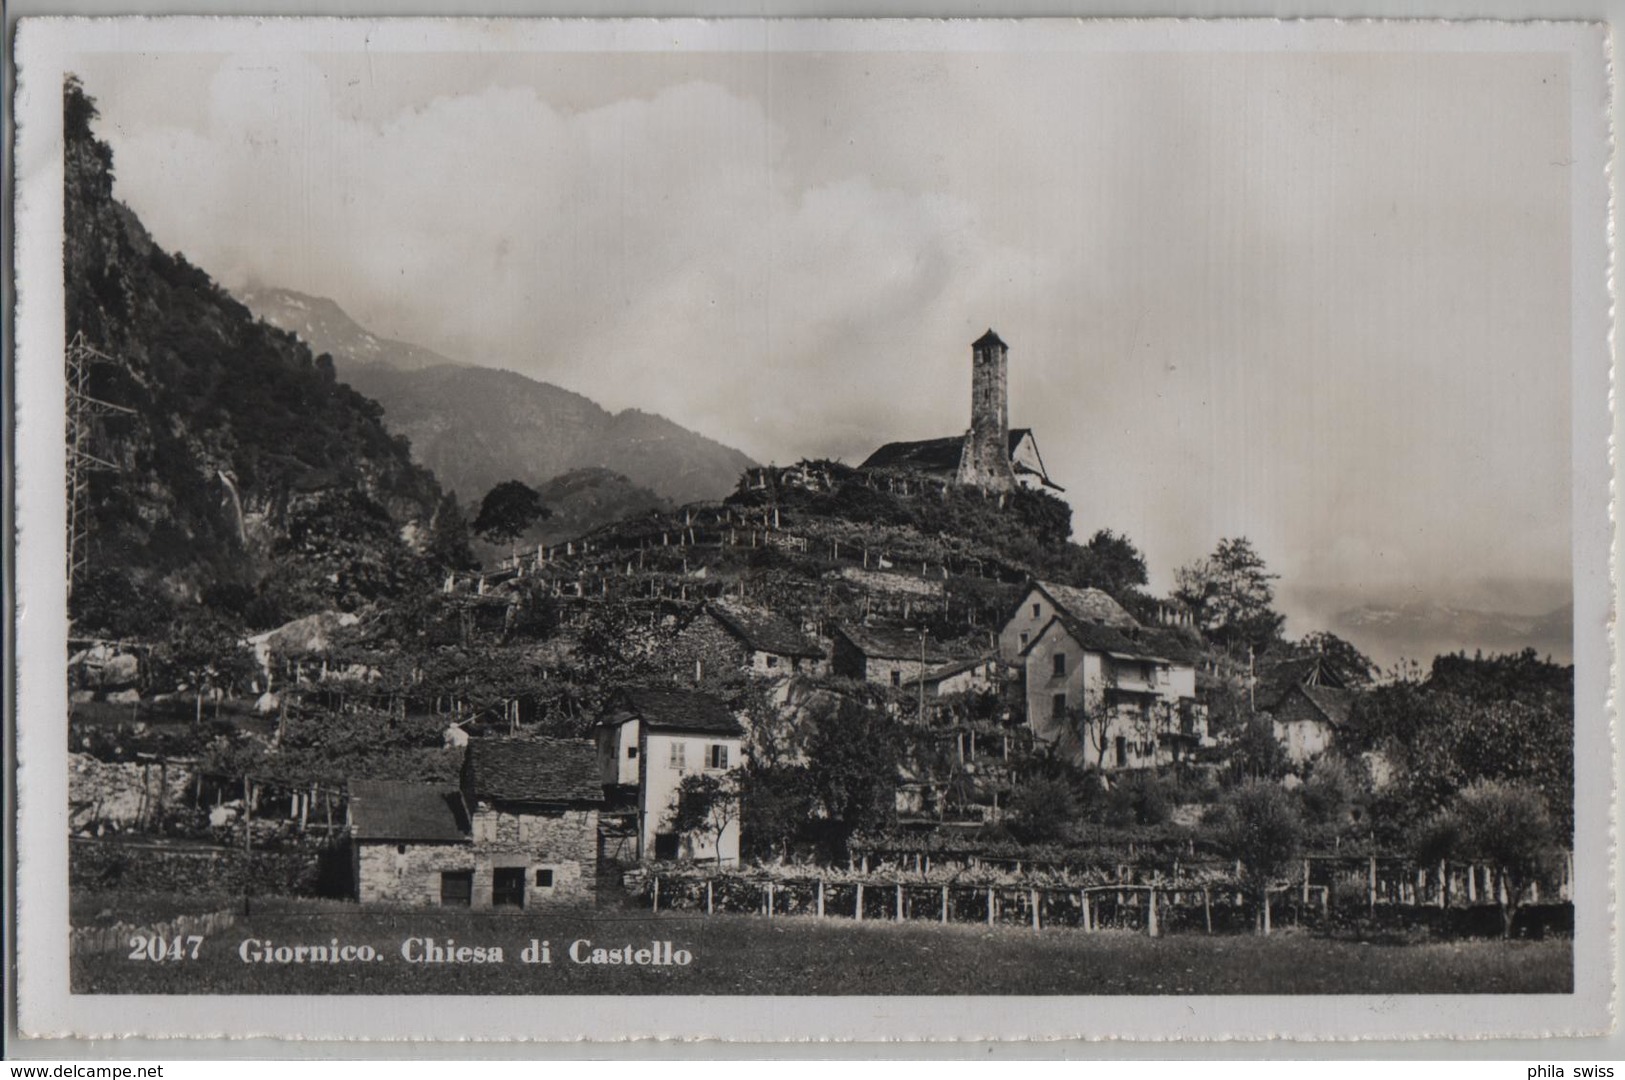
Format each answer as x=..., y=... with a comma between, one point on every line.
x=82, y=411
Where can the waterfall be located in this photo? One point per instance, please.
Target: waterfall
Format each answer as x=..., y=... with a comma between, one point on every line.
x=242, y=531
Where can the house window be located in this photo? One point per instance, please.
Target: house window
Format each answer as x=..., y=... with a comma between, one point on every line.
x=679, y=756
x=1058, y=706
x=897, y=678
x=1024, y=637
x=544, y=879
x=717, y=758
x=666, y=845
x=1060, y=665
x=1038, y=610
x=772, y=661
x=508, y=886
x=1121, y=747
x=400, y=849
x=631, y=752
x=456, y=888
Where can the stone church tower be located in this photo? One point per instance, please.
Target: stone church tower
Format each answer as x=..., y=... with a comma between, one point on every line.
x=985, y=461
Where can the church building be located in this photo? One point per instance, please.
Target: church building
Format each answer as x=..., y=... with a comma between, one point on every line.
x=990, y=455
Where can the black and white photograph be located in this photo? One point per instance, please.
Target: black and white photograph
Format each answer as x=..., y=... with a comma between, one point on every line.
x=668, y=517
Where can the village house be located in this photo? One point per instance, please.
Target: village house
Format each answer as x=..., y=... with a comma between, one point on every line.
x=1307, y=719
x=990, y=454
x=1308, y=702
x=728, y=637
x=521, y=830
x=974, y=675
x=1100, y=696
x=648, y=740
x=1044, y=600
x=890, y=656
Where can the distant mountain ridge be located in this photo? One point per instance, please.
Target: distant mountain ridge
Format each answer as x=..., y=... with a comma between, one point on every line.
x=477, y=426
x=1422, y=629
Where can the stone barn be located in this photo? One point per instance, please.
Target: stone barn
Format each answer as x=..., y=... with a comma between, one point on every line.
x=410, y=843
x=730, y=637
x=886, y=655
x=520, y=831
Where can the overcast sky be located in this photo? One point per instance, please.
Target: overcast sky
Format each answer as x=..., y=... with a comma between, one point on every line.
x=1319, y=300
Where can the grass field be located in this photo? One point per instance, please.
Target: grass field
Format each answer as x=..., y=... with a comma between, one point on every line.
x=733, y=954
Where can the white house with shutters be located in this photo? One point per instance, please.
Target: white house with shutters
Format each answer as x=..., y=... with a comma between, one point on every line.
x=649, y=739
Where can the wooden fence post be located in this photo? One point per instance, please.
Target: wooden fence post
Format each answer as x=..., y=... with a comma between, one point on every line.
x=858, y=906
x=708, y=898
x=769, y=897
x=1306, y=883
x=820, y=898
x=1472, y=883
x=1444, y=884
x=991, y=908
x=944, y=904
x=1085, y=916
x=897, y=916
x=1266, y=910
x=1207, y=908
x=1151, y=912
x=1035, y=908
x=655, y=906
x=1371, y=886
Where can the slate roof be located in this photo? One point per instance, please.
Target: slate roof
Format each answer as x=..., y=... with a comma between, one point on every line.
x=402, y=810
x=1129, y=645
x=1087, y=605
x=533, y=770
x=1335, y=705
x=1278, y=679
x=895, y=643
x=930, y=455
x=764, y=631
x=661, y=709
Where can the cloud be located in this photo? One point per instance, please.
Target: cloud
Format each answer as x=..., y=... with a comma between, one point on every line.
x=1318, y=300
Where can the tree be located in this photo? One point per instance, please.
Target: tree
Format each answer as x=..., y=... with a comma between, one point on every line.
x=1506, y=826
x=1354, y=666
x=1257, y=754
x=1259, y=826
x=707, y=803
x=1231, y=594
x=207, y=654
x=852, y=757
x=1113, y=563
x=1041, y=809
x=508, y=510
x=448, y=549
x=776, y=804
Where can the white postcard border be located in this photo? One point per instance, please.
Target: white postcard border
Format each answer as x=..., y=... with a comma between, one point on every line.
x=45, y=50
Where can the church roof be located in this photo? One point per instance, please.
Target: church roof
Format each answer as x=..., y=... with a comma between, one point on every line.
x=989, y=338
x=930, y=455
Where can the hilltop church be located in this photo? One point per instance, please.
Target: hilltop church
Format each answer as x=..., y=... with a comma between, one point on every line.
x=990, y=455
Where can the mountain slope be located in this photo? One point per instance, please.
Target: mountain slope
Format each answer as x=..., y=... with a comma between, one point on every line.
x=476, y=426
x=328, y=328
x=243, y=472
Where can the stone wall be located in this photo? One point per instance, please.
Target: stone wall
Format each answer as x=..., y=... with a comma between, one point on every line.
x=387, y=875
x=121, y=793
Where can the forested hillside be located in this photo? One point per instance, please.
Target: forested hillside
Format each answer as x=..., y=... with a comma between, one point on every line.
x=244, y=474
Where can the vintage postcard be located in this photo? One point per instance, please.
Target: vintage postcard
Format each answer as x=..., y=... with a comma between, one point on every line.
x=548, y=529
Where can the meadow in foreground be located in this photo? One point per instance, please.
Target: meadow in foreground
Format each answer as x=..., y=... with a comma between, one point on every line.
x=736, y=954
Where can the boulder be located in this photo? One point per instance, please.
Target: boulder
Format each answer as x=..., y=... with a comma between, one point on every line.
x=124, y=697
